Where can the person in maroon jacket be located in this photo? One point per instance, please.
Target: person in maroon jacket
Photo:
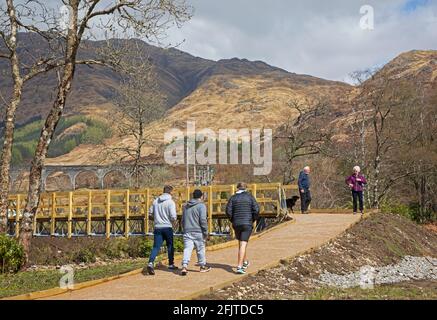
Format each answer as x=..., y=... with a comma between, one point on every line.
x=356, y=182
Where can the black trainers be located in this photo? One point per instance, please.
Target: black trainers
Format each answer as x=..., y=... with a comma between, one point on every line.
x=150, y=270
x=172, y=267
x=204, y=269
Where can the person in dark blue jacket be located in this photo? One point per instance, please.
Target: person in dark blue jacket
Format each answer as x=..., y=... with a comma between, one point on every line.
x=304, y=184
x=243, y=210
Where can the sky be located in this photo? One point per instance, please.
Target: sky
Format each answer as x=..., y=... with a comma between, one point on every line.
x=317, y=37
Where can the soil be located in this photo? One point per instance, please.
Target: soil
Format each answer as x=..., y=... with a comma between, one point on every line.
x=432, y=227
x=56, y=251
x=380, y=240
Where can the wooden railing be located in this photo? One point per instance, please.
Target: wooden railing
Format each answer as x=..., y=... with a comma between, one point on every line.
x=125, y=212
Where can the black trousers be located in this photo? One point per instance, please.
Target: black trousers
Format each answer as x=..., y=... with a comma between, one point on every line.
x=358, y=198
x=305, y=200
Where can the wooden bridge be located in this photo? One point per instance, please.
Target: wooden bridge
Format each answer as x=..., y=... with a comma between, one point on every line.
x=125, y=212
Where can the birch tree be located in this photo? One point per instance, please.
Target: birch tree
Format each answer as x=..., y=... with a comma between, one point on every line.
x=22, y=68
x=147, y=19
x=139, y=102
x=305, y=134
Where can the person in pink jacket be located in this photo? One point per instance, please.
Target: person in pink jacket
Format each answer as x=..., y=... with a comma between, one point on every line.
x=356, y=183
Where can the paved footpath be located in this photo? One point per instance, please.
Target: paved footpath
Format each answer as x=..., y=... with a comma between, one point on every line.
x=308, y=232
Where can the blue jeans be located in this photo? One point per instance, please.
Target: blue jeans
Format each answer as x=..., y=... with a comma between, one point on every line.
x=159, y=235
x=192, y=240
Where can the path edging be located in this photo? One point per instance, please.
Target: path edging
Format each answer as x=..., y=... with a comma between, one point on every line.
x=268, y=266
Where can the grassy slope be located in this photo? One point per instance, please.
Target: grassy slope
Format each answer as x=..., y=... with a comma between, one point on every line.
x=30, y=281
x=403, y=291
x=380, y=240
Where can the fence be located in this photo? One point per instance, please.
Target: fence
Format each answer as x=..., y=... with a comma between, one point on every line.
x=125, y=212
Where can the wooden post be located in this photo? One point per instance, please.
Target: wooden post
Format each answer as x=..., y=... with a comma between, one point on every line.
x=126, y=216
x=146, y=213
x=108, y=214
x=70, y=214
x=53, y=215
x=17, y=216
x=89, y=213
x=219, y=198
x=188, y=194
x=210, y=209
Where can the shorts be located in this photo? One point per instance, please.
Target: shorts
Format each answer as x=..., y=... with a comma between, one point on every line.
x=243, y=233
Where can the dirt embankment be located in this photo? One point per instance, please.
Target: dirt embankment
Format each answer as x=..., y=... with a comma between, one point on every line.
x=380, y=240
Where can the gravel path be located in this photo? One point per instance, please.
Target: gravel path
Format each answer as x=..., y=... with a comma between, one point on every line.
x=309, y=231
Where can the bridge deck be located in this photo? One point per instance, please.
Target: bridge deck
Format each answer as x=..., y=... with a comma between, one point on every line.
x=308, y=232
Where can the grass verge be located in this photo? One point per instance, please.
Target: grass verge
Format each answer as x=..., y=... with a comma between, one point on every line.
x=31, y=281
x=400, y=291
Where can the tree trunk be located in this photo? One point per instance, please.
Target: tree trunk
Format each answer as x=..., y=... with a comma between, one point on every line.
x=6, y=156
x=40, y=156
x=52, y=120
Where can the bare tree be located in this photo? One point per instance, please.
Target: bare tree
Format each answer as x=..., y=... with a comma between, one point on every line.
x=303, y=135
x=375, y=124
x=23, y=68
x=418, y=154
x=140, y=18
x=139, y=102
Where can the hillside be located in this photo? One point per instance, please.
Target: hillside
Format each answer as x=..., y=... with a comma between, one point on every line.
x=179, y=74
x=244, y=101
x=241, y=93
x=403, y=254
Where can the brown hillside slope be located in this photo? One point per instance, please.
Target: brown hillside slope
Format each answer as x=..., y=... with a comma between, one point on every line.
x=233, y=102
x=256, y=101
x=380, y=240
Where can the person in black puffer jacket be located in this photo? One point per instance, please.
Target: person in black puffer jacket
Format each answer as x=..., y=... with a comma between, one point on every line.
x=243, y=210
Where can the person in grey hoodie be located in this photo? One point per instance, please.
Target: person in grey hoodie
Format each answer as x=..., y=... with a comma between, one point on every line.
x=195, y=229
x=163, y=212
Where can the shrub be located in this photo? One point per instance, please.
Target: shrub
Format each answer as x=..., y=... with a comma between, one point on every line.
x=145, y=248
x=11, y=254
x=411, y=211
x=178, y=245
x=116, y=249
x=84, y=255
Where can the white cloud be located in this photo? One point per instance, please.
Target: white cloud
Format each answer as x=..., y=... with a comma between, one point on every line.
x=316, y=37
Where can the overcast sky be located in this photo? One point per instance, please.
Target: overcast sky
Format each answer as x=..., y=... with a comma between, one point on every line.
x=317, y=37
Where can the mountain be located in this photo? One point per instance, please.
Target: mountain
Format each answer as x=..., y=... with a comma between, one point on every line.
x=179, y=75
x=231, y=93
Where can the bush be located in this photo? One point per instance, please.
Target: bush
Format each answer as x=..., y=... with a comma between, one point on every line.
x=145, y=248
x=410, y=211
x=117, y=249
x=11, y=254
x=178, y=244
x=84, y=255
